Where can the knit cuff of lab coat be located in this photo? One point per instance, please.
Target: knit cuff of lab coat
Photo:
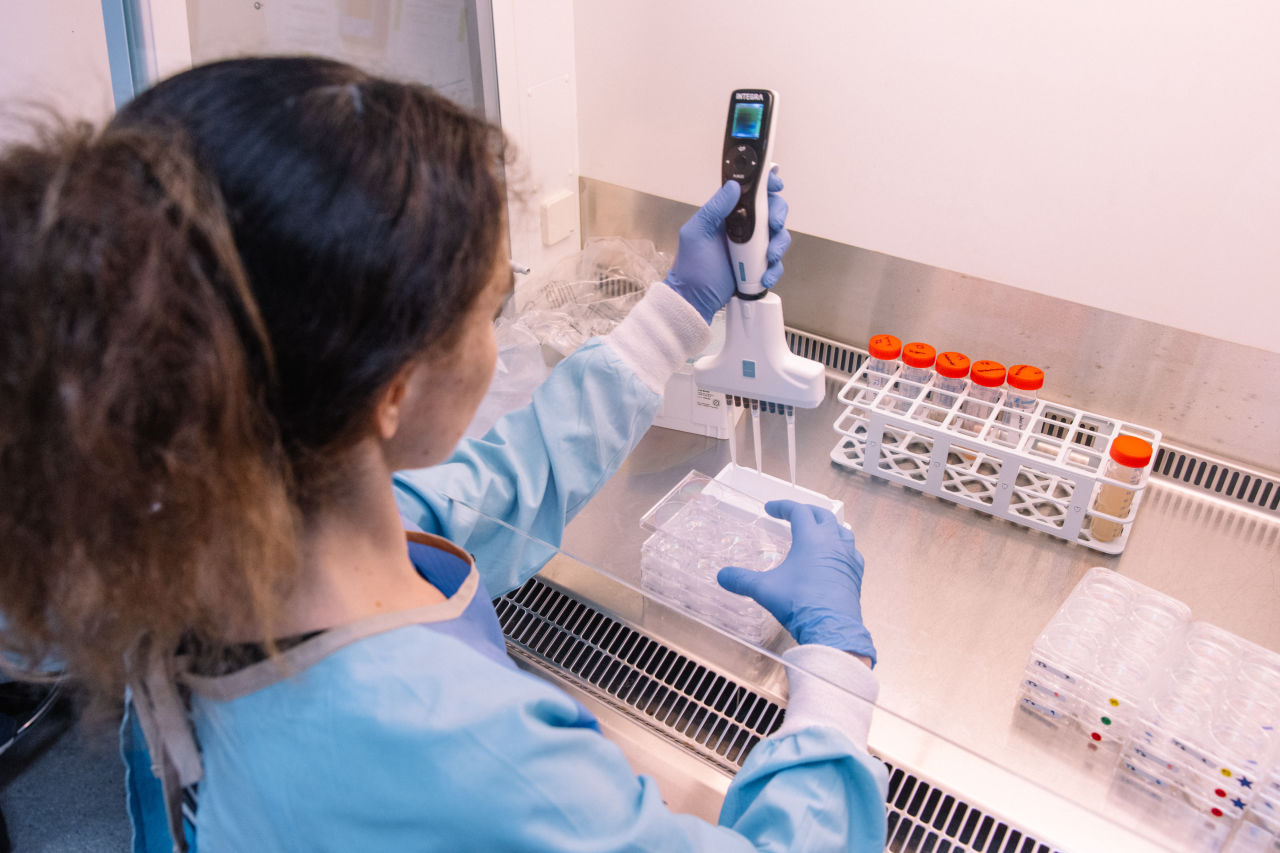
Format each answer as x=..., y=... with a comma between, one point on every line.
x=829, y=688
x=662, y=332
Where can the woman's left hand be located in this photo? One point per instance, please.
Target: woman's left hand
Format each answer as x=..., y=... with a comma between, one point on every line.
x=702, y=273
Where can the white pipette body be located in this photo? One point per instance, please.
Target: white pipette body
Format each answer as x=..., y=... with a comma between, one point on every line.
x=755, y=361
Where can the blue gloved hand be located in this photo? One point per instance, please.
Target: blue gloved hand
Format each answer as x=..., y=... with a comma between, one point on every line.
x=816, y=592
x=701, y=273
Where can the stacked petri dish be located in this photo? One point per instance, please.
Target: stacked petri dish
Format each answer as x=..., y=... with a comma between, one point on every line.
x=1208, y=731
x=1191, y=710
x=1096, y=660
x=700, y=527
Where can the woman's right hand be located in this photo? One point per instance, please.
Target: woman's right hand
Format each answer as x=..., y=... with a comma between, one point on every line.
x=702, y=273
x=816, y=592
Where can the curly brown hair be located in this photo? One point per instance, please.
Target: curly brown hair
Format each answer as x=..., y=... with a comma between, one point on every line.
x=198, y=308
x=144, y=484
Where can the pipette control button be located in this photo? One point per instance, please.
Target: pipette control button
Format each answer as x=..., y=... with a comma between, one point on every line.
x=742, y=159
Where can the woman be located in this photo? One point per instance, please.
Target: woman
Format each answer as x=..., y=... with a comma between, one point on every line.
x=227, y=319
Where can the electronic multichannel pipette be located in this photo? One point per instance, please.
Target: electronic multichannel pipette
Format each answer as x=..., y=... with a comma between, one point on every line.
x=756, y=369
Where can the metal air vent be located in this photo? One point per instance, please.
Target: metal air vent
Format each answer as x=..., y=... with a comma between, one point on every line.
x=702, y=710
x=924, y=817
x=714, y=716
x=1227, y=480
x=835, y=355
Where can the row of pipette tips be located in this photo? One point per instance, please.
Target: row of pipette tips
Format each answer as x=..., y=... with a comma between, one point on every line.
x=755, y=407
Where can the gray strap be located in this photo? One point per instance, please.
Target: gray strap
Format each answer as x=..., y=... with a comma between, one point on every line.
x=175, y=758
x=162, y=715
x=224, y=688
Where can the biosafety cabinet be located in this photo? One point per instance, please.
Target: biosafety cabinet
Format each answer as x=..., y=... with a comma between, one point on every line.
x=1089, y=189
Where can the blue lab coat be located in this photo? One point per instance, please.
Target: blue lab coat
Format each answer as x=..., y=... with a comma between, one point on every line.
x=426, y=737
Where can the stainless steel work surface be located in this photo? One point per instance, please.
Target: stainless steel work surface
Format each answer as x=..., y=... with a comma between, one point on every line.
x=954, y=599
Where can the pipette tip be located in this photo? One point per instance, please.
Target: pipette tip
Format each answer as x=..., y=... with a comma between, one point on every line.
x=733, y=427
x=755, y=434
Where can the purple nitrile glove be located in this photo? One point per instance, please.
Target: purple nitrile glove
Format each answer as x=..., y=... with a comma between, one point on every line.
x=816, y=592
x=702, y=273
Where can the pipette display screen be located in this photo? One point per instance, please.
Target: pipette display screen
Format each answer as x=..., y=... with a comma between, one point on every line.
x=746, y=120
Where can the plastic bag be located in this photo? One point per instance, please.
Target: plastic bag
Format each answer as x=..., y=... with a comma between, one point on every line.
x=521, y=369
x=584, y=295
x=589, y=293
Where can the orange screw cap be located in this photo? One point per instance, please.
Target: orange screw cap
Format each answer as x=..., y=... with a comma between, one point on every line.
x=1024, y=377
x=885, y=347
x=1131, y=451
x=918, y=355
x=988, y=374
x=953, y=365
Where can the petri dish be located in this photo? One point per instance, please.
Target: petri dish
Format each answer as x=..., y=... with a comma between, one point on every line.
x=1178, y=712
x=1157, y=615
x=1083, y=609
x=667, y=511
x=1195, y=684
x=1071, y=648
x=1262, y=671
x=1124, y=670
x=1144, y=641
x=1105, y=584
x=1247, y=743
x=1211, y=649
x=1247, y=711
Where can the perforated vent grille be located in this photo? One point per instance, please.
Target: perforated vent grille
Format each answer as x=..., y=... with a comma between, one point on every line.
x=835, y=355
x=924, y=817
x=713, y=715
x=1224, y=479
x=703, y=710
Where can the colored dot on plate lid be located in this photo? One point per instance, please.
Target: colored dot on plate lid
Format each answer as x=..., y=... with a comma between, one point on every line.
x=1215, y=811
x=1219, y=792
x=1095, y=736
x=1115, y=703
x=1226, y=772
x=1106, y=721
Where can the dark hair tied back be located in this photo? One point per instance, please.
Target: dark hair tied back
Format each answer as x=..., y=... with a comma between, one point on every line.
x=368, y=214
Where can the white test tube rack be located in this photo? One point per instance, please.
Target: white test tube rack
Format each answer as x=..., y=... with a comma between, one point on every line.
x=1040, y=468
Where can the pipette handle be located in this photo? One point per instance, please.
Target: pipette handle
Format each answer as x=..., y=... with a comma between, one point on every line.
x=748, y=159
x=750, y=259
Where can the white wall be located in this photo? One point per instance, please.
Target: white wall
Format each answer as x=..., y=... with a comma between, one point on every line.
x=1122, y=155
x=537, y=82
x=54, y=52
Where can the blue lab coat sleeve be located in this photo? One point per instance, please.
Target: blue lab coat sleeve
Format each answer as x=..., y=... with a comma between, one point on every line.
x=535, y=468
x=538, y=465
